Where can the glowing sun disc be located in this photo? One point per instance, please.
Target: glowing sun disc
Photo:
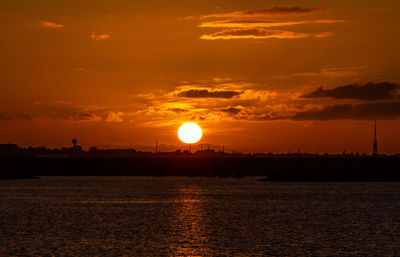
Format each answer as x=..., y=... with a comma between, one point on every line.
x=190, y=133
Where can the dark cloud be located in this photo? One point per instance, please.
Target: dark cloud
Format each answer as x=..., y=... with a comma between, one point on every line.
x=177, y=110
x=7, y=117
x=70, y=113
x=84, y=116
x=369, y=91
x=4, y=117
x=354, y=112
x=369, y=111
x=26, y=117
x=59, y=113
x=268, y=12
x=284, y=10
x=196, y=93
x=231, y=110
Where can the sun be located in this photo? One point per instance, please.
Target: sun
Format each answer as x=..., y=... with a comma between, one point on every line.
x=190, y=133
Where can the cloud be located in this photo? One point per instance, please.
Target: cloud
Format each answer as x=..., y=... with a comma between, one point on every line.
x=61, y=102
x=354, y=112
x=370, y=111
x=255, y=24
x=370, y=91
x=66, y=112
x=99, y=37
x=15, y=116
x=49, y=24
x=114, y=117
x=324, y=34
x=255, y=34
x=177, y=110
x=231, y=110
x=243, y=97
x=238, y=99
x=84, y=117
x=186, y=18
x=274, y=11
x=339, y=72
x=261, y=23
x=204, y=93
x=4, y=117
x=61, y=110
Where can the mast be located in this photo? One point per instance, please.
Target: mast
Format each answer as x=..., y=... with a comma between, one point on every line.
x=375, y=147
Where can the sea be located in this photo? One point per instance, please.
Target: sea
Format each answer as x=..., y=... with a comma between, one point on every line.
x=178, y=216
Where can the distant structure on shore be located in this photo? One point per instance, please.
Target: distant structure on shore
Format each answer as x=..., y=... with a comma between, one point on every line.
x=14, y=151
x=375, y=147
x=74, y=141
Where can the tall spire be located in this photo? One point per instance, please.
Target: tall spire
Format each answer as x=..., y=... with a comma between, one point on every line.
x=375, y=148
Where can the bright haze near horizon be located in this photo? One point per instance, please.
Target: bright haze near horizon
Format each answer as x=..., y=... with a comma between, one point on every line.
x=257, y=76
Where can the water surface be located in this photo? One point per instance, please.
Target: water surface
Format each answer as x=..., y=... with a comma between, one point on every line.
x=197, y=217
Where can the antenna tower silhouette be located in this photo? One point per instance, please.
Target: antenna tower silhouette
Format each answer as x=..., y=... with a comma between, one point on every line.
x=375, y=148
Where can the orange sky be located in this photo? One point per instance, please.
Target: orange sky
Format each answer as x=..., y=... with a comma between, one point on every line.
x=256, y=75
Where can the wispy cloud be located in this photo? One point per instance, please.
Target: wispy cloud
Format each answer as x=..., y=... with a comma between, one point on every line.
x=99, y=37
x=256, y=24
x=256, y=34
x=49, y=24
x=187, y=18
x=274, y=11
x=324, y=34
x=261, y=23
x=66, y=111
x=339, y=72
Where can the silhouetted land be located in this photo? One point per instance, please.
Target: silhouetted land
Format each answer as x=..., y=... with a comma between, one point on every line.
x=25, y=163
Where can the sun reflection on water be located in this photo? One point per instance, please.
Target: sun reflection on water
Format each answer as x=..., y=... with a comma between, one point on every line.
x=188, y=226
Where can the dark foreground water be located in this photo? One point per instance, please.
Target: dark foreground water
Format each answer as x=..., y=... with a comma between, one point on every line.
x=197, y=217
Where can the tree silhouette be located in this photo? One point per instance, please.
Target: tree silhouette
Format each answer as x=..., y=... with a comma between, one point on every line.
x=74, y=141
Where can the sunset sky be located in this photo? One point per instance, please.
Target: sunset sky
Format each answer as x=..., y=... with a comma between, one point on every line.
x=257, y=76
